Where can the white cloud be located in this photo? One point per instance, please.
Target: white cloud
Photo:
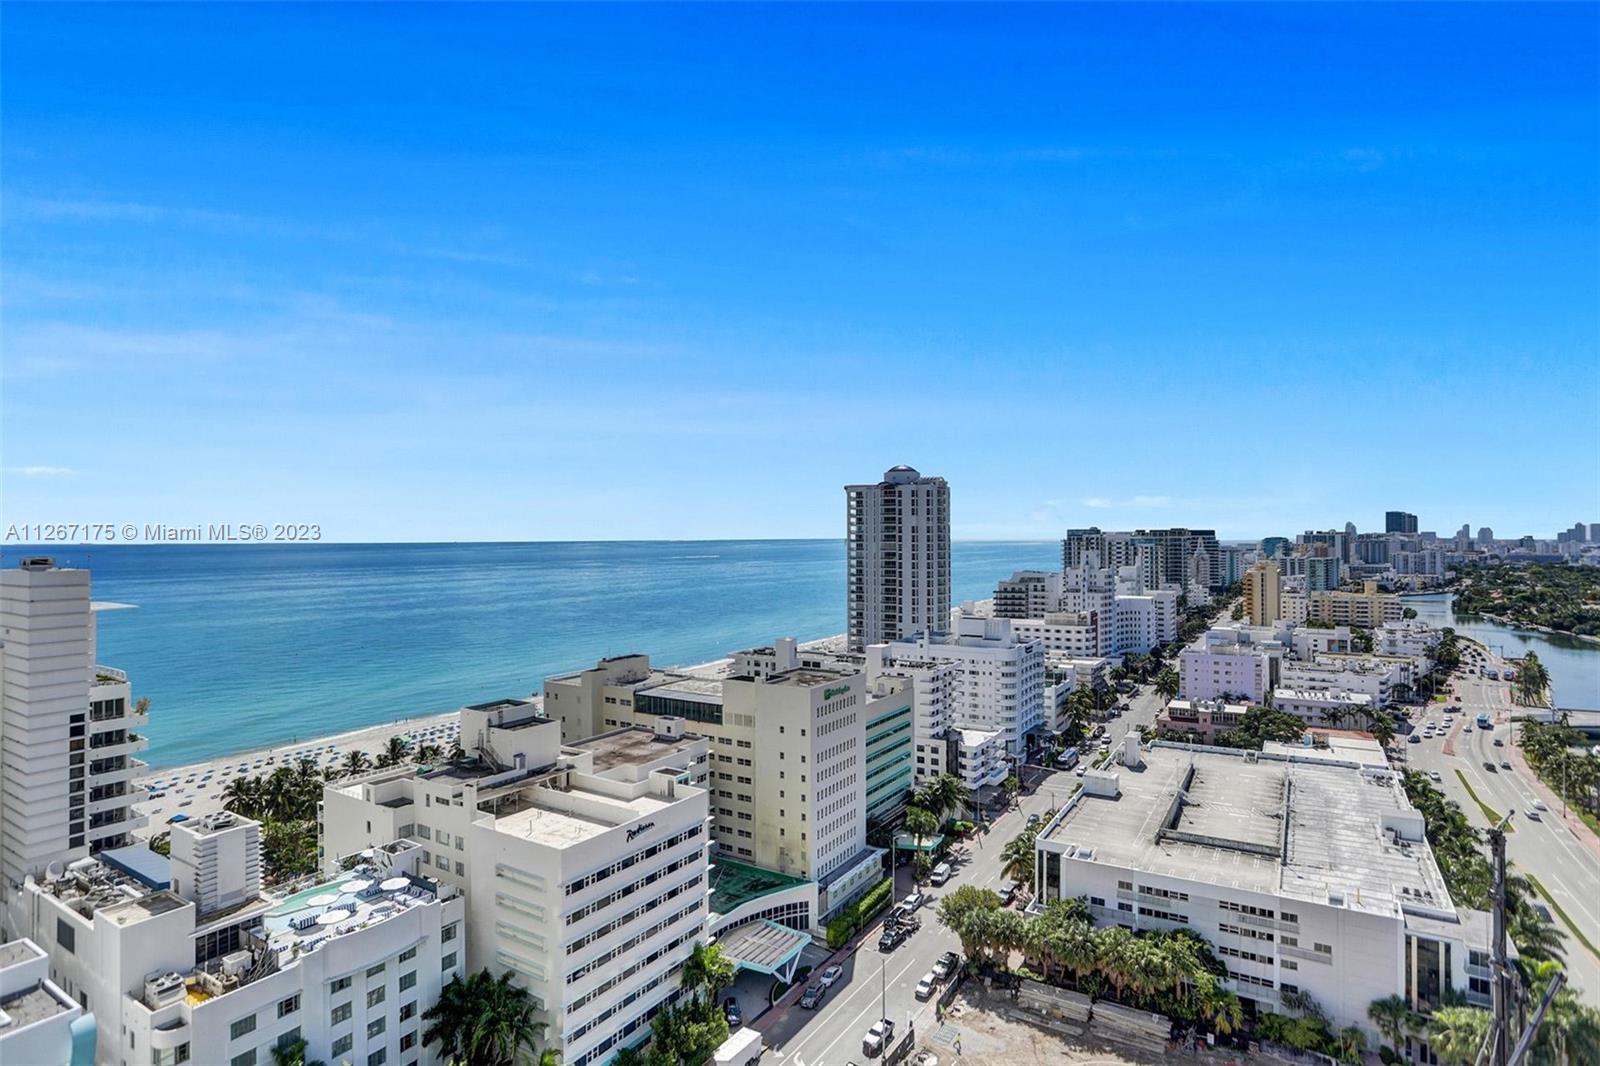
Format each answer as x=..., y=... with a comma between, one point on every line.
x=1104, y=503
x=41, y=471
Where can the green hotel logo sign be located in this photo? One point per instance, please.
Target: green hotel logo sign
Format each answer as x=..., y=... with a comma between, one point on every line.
x=830, y=693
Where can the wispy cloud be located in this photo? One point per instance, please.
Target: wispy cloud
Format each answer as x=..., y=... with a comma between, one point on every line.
x=41, y=471
x=1106, y=502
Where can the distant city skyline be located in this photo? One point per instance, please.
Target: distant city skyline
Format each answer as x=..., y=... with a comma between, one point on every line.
x=668, y=272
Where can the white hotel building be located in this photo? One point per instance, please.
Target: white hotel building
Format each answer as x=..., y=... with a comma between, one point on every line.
x=584, y=867
x=999, y=682
x=1230, y=663
x=68, y=727
x=186, y=961
x=1309, y=875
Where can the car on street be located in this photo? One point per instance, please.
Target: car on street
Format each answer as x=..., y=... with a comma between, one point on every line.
x=947, y=965
x=1531, y=813
x=1414, y=738
x=914, y=900
x=814, y=993
x=1505, y=764
x=1433, y=775
x=1499, y=742
x=929, y=982
x=1539, y=805
x=1488, y=764
x=828, y=977
x=892, y=938
x=941, y=873
x=730, y=1011
x=877, y=1038
x=1034, y=819
x=1008, y=893
x=177, y=818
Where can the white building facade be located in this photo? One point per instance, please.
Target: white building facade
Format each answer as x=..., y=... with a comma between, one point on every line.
x=897, y=537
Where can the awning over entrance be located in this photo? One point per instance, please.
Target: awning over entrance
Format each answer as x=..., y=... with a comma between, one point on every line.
x=764, y=946
x=904, y=841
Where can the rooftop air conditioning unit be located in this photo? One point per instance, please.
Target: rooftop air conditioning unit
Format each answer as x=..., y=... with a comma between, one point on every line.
x=159, y=991
x=235, y=963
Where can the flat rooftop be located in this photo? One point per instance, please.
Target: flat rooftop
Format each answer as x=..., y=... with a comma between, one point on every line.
x=632, y=745
x=536, y=817
x=1308, y=829
x=734, y=884
x=807, y=677
x=30, y=1005
x=15, y=951
x=695, y=689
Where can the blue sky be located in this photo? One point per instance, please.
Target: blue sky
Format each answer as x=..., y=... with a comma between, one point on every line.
x=520, y=272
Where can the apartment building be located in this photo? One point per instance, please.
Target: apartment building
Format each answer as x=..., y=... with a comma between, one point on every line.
x=1410, y=637
x=1144, y=622
x=584, y=866
x=1307, y=875
x=998, y=685
x=1230, y=663
x=1201, y=720
x=1028, y=594
x=188, y=961
x=1368, y=608
x=1066, y=634
x=897, y=547
x=789, y=752
x=1377, y=678
x=68, y=726
x=40, y=1025
x=1263, y=591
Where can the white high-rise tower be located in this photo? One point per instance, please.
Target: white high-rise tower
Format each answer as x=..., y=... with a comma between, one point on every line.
x=898, y=568
x=66, y=745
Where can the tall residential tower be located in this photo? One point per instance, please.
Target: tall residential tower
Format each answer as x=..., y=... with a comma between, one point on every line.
x=897, y=534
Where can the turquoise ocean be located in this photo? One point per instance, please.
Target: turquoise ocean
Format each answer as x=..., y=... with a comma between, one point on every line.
x=249, y=646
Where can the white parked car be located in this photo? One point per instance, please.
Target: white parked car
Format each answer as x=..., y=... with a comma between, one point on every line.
x=829, y=976
x=926, y=986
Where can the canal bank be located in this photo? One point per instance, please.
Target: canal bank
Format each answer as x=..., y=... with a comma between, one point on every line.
x=1574, y=664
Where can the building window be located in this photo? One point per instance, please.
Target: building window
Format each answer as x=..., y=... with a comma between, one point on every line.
x=375, y=971
x=408, y=1041
x=408, y=980
x=375, y=996
x=289, y=1006
x=342, y=1045
x=244, y=1058
x=242, y=1026
x=448, y=933
x=287, y=1037
x=339, y=985
x=340, y=1013
x=375, y=1027
x=448, y=961
x=408, y=954
x=408, y=1010
x=377, y=1057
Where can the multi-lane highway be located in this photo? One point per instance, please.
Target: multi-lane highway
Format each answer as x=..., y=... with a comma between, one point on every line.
x=1542, y=844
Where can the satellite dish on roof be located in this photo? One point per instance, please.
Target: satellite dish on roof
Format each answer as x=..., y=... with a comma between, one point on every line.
x=53, y=871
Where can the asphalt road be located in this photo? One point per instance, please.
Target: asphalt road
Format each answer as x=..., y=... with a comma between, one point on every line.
x=882, y=984
x=1544, y=846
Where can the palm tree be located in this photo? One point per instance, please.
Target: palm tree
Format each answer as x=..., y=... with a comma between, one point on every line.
x=293, y=1054
x=1223, y=1010
x=1392, y=1016
x=1017, y=857
x=1533, y=680
x=483, y=1021
x=1167, y=682
x=242, y=796
x=944, y=796
x=395, y=752
x=921, y=824
x=1456, y=1034
x=1113, y=957
x=1350, y=1042
x=355, y=761
x=427, y=753
x=707, y=969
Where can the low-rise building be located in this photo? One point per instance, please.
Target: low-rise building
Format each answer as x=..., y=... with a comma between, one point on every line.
x=1028, y=594
x=40, y=1025
x=1306, y=875
x=1368, y=608
x=1323, y=706
x=1201, y=720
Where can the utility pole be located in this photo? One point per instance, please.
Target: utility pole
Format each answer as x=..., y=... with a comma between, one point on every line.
x=1500, y=1023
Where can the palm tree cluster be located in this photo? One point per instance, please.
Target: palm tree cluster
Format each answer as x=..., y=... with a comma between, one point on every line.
x=285, y=803
x=1560, y=755
x=1468, y=875
x=485, y=1021
x=1569, y=1033
x=1259, y=725
x=1174, y=971
x=687, y=1033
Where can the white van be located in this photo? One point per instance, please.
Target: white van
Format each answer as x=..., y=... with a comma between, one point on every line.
x=743, y=1048
x=941, y=874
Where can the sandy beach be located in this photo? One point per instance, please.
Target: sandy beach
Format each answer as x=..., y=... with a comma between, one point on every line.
x=196, y=789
